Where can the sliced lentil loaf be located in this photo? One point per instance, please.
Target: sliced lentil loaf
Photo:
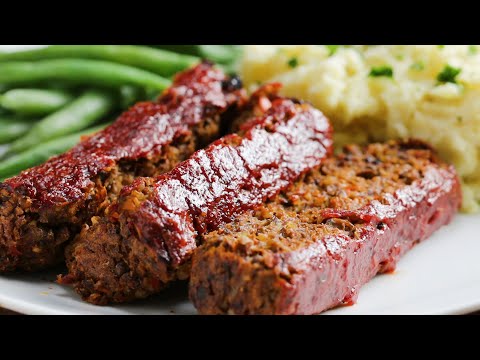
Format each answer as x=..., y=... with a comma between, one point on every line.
x=316, y=244
x=148, y=236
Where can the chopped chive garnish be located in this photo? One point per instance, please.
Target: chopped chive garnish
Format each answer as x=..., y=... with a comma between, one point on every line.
x=293, y=62
x=448, y=75
x=332, y=49
x=385, y=71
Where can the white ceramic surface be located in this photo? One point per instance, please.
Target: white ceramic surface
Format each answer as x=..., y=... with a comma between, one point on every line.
x=439, y=276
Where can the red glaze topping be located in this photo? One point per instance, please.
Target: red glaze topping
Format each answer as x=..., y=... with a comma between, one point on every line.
x=331, y=271
x=140, y=132
x=235, y=173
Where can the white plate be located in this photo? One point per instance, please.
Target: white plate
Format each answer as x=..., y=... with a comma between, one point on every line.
x=439, y=276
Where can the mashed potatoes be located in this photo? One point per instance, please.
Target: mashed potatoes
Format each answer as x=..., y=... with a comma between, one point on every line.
x=373, y=93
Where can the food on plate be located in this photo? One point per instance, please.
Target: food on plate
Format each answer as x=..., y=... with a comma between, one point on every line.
x=44, y=207
x=317, y=243
x=377, y=93
x=148, y=236
x=242, y=195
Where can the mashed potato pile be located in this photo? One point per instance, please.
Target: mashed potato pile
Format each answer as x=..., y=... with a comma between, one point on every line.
x=374, y=93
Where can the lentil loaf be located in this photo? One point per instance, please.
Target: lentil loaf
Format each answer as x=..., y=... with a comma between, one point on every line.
x=44, y=207
x=148, y=236
x=314, y=246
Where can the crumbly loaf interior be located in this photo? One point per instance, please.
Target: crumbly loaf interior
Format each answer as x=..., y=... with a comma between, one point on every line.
x=347, y=182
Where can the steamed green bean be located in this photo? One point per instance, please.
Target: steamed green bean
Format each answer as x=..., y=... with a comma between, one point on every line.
x=12, y=128
x=34, y=102
x=79, y=71
x=222, y=54
x=158, y=61
x=83, y=112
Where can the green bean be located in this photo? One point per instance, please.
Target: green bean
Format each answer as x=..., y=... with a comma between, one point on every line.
x=41, y=153
x=181, y=49
x=222, y=54
x=158, y=61
x=3, y=150
x=34, y=102
x=12, y=128
x=79, y=71
x=89, y=108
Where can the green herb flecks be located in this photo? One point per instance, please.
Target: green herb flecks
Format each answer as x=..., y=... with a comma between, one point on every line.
x=293, y=62
x=385, y=71
x=448, y=75
x=332, y=49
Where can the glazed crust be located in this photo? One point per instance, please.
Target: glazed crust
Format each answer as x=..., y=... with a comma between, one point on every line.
x=44, y=207
x=159, y=222
x=316, y=244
